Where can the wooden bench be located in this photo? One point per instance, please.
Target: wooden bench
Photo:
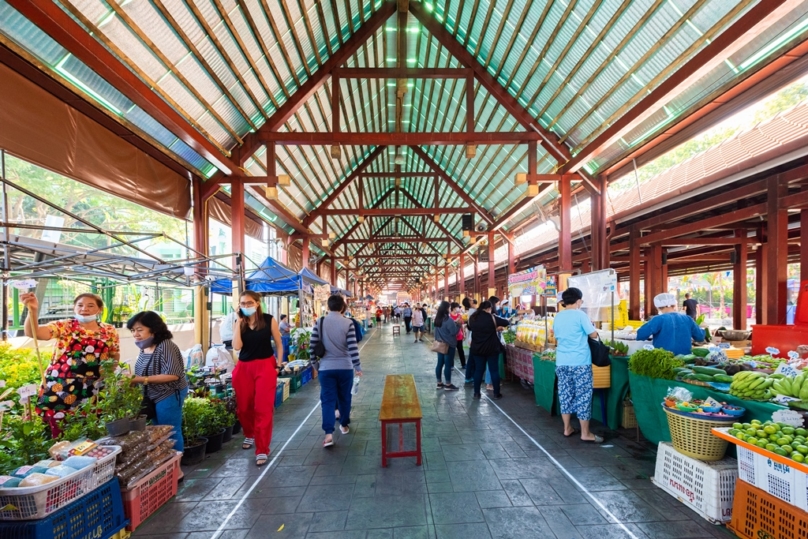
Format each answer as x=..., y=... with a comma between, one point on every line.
x=399, y=406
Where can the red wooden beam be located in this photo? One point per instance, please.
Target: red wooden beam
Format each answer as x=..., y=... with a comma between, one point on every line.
x=316, y=212
x=718, y=220
x=394, y=239
x=565, y=234
x=402, y=73
x=398, y=175
x=549, y=140
x=393, y=211
x=453, y=184
x=318, y=77
x=312, y=138
x=749, y=26
x=55, y=22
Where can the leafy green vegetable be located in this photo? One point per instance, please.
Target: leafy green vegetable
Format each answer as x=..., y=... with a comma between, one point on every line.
x=655, y=363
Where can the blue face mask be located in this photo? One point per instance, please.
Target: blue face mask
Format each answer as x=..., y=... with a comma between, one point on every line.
x=86, y=319
x=145, y=343
x=248, y=311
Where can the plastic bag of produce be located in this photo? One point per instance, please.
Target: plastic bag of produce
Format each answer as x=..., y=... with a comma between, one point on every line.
x=79, y=463
x=37, y=479
x=6, y=481
x=194, y=356
x=61, y=471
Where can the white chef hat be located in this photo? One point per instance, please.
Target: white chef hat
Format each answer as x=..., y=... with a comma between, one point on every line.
x=664, y=300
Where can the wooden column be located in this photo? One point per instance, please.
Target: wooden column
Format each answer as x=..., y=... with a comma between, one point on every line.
x=201, y=293
x=761, y=256
x=777, y=260
x=634, y=274
x=594, y=230
x=739, y=283
x=305, y=251
x=446, y=283
x=804, y=245
x=603, y=238
x=461, y=279
x=492, y=282
x=476, y=275
x=648, y=271
x=659, y=278
x=237, y=215
x=565, y=234
x=511, y=259
x=333, y=271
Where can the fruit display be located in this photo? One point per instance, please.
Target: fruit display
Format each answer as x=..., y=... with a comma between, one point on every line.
x=752, y=385
x=778, y=438
x=618, y=348
x=791, y=387
x=533, y=334
x=708, y=409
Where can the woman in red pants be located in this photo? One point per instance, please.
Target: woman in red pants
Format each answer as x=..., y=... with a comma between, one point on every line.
x=256, y=374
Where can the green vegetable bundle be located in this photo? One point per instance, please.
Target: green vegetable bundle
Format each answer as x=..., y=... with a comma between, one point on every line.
x=655, y=363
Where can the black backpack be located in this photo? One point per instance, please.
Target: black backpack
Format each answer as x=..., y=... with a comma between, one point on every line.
x=318, y=350
x=600, y=353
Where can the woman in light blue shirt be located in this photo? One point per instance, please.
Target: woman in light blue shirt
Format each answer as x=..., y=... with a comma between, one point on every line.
x=572, y=330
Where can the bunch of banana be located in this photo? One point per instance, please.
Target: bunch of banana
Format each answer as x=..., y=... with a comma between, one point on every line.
x=792, y=387
x=752, y=385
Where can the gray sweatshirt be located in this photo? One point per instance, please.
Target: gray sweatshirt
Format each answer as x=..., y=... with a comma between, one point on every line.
x=447, y=332
x=339, y=338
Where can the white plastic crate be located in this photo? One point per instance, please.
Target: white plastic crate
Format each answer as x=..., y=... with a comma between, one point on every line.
x=780, y=480
x=30, y=503
x=706, y=487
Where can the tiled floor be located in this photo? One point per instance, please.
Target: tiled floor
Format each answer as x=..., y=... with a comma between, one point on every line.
x=483, y=476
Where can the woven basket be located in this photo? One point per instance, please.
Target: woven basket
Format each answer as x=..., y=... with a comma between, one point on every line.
x=629, y=418
x=692, y=437
x=601, y=377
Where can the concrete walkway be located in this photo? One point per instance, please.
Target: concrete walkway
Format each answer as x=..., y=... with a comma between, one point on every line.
x=491, y=470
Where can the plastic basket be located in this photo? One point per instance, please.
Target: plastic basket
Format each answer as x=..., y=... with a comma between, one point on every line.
x=306, y=376
x=99, y=515
x=629, y=418
x=775, y=478
x=30, y=503
x=759, y=515
x=151, y=492
x=693, y=438
x=706, y=487
x=601, y=377
x=279, y=394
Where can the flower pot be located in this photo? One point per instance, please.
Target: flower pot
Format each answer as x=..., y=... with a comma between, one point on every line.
x=138, y=424
x=119, y=427
x=194, y=454
x=236, y=427
x=228, y=434
x=214, y=442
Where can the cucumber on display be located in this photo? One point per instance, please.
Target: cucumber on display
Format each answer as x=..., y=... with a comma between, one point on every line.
x=712, y=371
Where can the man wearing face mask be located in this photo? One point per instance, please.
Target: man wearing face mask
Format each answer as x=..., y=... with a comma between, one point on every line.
x=82, y=344
x=160, y=369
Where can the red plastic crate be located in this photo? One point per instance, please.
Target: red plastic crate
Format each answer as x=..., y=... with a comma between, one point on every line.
x=151, y=492
x=784, y=338
x=758, y=515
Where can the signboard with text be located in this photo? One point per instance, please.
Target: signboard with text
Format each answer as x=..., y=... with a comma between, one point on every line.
x=530, y=282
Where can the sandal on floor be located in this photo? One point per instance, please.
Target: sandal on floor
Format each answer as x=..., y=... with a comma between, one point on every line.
x=573, y=433
x=345, y=429
x=248, y=443
x=328, y=443
x=597, y=440
x=260, y=459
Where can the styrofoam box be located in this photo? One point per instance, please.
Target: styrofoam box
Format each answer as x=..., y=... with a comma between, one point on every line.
x=706, y=487
x=779, y=480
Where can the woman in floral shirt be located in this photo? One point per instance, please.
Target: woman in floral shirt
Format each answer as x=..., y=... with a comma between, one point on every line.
x=82, y=343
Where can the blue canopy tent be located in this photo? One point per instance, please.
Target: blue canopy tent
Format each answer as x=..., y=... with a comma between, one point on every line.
x=315, y=280
x=271, y=278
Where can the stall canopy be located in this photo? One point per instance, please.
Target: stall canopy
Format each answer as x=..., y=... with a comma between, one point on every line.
x=271, y=277
x=311, y=278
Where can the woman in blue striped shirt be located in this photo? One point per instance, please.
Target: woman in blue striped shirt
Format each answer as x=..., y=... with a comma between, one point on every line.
x=338, y=366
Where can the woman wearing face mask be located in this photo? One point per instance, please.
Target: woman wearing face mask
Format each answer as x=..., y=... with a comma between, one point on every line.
x=82, y=343
x=256, y=374
x=160, y=369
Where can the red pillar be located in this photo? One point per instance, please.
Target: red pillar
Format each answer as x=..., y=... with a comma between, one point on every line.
x=446, y=282
x=804, y=245
x=565, y=235
x=605, y=251
x=305, y=252
x=492, y=283
x=333, y=271
x=777, y=263
x=511, y=259
x=476, y=275
x=200, y=217
x=739, y=283
x=594, y=230
x=761, y=291
x=237, y=218
x=634, y=275
x=461, y=279
x=648, y=279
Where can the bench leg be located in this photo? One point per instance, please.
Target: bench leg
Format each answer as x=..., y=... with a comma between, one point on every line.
x=418, y=441
x=384, y=444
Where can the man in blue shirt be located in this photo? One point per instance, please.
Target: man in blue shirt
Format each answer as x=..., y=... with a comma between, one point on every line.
x=671, y=330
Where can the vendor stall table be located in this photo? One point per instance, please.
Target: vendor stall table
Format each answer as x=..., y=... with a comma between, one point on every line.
x=615, y=395
x=519, y=362
x=647, y=394
x=544, y=384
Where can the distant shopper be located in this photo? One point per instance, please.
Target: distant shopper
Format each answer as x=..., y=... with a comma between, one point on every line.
x=226, y=329
x=418, y=323
x=691, y=306
x=338, y=366
x=286, y=336
x=671, y=330
x=406, y=312
x=82, y=344
x=574, y=364
x=485, y=348
x=161, y=371
x=445, y=332
x=256, y=374
x=457, y=315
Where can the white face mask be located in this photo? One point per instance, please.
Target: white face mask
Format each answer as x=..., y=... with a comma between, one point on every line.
x=86, y=319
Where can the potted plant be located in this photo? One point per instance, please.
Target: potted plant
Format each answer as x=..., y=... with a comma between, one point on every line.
x=119, y=401
x=229, y=430
x=119, y=314
x=195, y=414
x=217, y=422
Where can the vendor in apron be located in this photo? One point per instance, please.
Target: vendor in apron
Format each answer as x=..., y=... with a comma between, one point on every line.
x=670, y=329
